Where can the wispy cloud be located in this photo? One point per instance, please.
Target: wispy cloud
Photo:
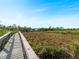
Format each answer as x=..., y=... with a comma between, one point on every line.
x=41, y=9
x=24, y=19
x=39, y=16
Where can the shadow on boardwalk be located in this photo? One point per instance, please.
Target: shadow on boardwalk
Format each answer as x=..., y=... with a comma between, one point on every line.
x=11, y=48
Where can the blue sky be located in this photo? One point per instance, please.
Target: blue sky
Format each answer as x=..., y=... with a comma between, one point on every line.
x=40, y=13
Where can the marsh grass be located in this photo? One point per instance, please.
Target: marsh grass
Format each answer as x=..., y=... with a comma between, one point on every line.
x=3, y=31
x=58, y=43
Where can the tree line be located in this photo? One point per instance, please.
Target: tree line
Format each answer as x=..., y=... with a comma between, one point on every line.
x=14, y=27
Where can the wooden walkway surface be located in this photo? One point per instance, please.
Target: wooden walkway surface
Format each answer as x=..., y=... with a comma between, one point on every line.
x=13, y=49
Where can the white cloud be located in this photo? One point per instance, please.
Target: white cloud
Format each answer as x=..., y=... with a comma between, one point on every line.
x=32, y=21
x=10, y=17
x=40, y=9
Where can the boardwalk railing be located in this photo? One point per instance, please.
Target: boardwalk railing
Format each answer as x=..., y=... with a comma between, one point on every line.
x=27, y=50
x=4, y=39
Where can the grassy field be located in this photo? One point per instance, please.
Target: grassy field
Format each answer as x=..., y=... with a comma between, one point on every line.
x=2, y=32
x=55, y=43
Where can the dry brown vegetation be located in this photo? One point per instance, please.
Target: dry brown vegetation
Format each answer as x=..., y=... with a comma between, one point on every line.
x=57, y=41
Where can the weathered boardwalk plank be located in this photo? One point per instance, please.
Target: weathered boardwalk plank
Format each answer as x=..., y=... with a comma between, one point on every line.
x=13, y=49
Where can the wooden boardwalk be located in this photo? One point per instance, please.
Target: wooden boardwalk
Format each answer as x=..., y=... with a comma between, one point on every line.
x=13, y=49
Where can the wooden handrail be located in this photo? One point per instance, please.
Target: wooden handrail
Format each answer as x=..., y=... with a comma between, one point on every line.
x=27, y=50
x=4, y=39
